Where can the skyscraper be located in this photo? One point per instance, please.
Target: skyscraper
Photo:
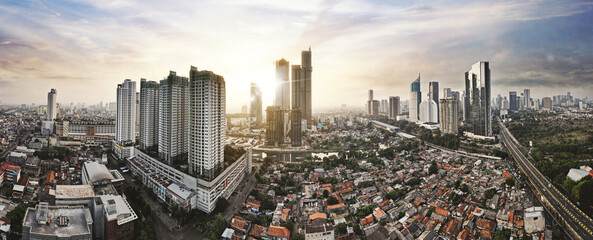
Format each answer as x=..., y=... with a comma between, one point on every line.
x=282, y=97
x=498, y=101
x=207, y=132
x=149, y=114
x=384, y=106
x=125, y=126
x=447, y=92
x=370, y=103
x=173, y=117
x=301, y=87
x=433, y=93
x=448, y=116
x=274, y=125
x=527, y=96
x=513, y=101
x=296, y=133
x=255, y=111
x=428, y=111
x=137, y=124
x=477, y=99
x=415, y=99
x=548, y=103
x=393, y=107
x=52, y=108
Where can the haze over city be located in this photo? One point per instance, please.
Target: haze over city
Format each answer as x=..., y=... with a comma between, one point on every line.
x=85, y=48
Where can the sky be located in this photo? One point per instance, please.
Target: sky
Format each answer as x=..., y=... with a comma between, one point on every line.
x=84, y=48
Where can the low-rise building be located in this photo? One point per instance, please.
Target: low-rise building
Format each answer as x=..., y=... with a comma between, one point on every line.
x=57, y=222
x=319, y=232
x=534, y=220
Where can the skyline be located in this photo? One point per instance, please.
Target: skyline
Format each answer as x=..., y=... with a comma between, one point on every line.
x=95, y=45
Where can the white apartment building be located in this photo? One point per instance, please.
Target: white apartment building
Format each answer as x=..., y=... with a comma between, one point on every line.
x=173, y=117
x=125, y=125
x=149, y=113
x=207, y=134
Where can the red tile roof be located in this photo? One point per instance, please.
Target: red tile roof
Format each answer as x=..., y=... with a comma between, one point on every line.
x=277, y=231
x=317, y=215
x=367, y=220
x=484, y=224
x=441, y=211
x=463, y=235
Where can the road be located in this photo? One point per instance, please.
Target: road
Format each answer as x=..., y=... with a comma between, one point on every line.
x=568, y=212
x=164, y=224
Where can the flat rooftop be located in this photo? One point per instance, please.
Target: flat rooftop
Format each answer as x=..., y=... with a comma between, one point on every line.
x=117, y=208
x=74, y=191
x=79, y=221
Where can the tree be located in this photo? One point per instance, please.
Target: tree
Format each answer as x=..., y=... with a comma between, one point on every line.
x=332, y=200
x=489, y=193
x=433, y=168
x=464, y=188
x=297, y=236
x=325, y=193
x=16, y=221
x=455, y=198
x=341, y=229
x=457, y=183
x=290, y=225
x=510, y=182
x=395, y=194
x=502, y=235
x=221, y=205
x=414, y=181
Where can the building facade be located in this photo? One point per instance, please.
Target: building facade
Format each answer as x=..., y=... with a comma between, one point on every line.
x=513, y=101
x=173, y=118
x=255, y=110
x=415, y=99
x=433, y=93
x=296, y=133
x=52, y=106
x=125, y=126
x=394, y=108
x=149, y=114
x=274, y=126
x=449, y=120
x=301, y=86
x=477, y=99
x=428, y=111
x=207, y=134
x=527, y=98
x=282, y=97
x=547, y=103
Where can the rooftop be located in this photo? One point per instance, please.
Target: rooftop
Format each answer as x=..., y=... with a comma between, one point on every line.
x=118, y=208
x=78, y=220
x=97, y=172
x=319, y=228
x=74, y=191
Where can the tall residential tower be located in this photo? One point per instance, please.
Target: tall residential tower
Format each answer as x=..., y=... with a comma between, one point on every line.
x=52, y=108
x=149, y=114
x=173, y=117
x=207, y=134
x=125, y=126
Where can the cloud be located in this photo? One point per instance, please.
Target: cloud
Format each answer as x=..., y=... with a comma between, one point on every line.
x=357, y=45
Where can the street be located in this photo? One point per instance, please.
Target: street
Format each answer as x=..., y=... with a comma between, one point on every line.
x=164, y=224
x=568, y=212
